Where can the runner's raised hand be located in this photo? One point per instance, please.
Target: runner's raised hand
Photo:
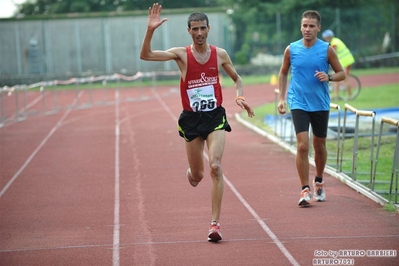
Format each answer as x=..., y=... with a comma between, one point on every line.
x=154, y=16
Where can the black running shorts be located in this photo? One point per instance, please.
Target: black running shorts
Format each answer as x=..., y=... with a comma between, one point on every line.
x=200, y=124
x=318, y=120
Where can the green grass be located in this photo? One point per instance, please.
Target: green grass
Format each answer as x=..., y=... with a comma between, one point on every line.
x=370, y=98
x=227, y=82
x=263, y=79
x=390, y=207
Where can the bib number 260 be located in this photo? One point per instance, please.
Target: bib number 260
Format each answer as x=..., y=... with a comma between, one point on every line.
x=204, y=105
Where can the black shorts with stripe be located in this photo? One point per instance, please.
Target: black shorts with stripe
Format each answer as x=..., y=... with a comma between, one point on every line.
x=200, y=124
x=318, y=120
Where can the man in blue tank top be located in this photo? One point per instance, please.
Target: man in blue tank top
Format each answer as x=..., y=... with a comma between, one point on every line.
x=309, y=100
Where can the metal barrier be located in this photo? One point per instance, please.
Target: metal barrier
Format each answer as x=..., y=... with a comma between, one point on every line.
x=358, y=114
x=395, y=163
x=339, y=142
x=49, y=94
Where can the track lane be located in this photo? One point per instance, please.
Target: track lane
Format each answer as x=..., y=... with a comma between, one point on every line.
x=164, y=220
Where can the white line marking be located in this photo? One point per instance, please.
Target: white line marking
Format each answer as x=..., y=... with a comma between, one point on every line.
x=265, y=228
x=130, y=244
x=116, y=243
x=30, y=158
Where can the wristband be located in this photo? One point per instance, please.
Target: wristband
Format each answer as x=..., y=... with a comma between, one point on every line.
x=240, y=98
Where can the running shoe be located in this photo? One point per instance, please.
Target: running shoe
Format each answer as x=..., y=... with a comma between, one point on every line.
x=214, y=234
x=319, y=193
x=193, y=183
x=306, y=197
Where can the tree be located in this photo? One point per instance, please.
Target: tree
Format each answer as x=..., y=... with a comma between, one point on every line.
x=47, y=7
x=264, y=25
x=359, y=21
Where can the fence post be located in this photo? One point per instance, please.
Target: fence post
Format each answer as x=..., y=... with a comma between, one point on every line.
x=336, y=106
x=77, y=89
x=2, y=111
x=20, y=116
x=370, y=114
x=276, y=93
x=395, y=163
x=104, y=83
x=353, y=110
x=55, y=93
x=24, y=108
x=358, y=113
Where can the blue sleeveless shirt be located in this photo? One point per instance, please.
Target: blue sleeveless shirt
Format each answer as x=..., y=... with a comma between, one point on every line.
x=305, y=91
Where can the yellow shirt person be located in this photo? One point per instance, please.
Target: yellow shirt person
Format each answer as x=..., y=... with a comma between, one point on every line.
x=345, y=56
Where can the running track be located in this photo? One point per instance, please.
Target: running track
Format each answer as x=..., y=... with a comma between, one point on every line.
x=107, y=186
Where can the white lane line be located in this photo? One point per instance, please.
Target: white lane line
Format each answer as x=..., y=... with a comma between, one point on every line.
x=25, y=108
x=116, y=241
x=30, y=158
x=235, y=240
x=265, y=228
x=117, y=245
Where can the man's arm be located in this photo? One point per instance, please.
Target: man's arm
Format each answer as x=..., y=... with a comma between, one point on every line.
x=339, y=74
x=154, y=21
x=282, y=80
x=228, y=67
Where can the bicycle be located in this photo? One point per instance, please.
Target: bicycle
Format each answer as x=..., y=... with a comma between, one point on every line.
x=343, y=92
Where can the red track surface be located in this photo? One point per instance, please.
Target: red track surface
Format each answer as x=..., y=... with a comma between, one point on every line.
x=107, y=186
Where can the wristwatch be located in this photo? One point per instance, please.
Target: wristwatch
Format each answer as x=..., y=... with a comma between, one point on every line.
x=329, y=77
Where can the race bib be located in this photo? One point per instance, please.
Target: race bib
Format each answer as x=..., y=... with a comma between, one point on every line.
x=202, y=98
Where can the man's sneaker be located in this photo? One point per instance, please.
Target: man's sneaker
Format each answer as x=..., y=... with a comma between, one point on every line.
x=319, y=193
x=306, y=197
x=193, y=183
x=214, y=234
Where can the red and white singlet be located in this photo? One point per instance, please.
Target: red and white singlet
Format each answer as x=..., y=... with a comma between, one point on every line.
x=201, y=90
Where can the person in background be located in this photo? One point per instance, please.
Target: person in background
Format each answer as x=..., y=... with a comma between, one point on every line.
x=345, y=57
x=203, y=119
x=309, y=99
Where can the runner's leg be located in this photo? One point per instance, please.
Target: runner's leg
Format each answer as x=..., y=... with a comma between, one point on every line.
x=215, y=142
x=302, y=159
x=320, y=157
x=195, y=157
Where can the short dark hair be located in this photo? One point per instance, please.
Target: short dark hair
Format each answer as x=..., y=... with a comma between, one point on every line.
x=312, y=14
x=197, y=16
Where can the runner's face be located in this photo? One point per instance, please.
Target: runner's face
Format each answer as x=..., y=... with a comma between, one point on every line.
x=199, y=31
x=309, y=28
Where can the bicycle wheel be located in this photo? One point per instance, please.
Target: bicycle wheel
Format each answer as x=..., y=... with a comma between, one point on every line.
x=346, y=93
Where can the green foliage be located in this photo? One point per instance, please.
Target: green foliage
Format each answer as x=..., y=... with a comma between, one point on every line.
x=46, y=7
x=358, y=20
x=361, y=24
x=80, y=7
x=242, y=56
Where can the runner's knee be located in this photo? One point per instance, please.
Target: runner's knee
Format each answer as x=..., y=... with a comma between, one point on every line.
x=197, y=175
x=302, y=148
x=216, y=170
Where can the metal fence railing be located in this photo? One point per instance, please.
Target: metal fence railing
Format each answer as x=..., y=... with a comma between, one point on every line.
x=395, y=162
x=19, y=102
